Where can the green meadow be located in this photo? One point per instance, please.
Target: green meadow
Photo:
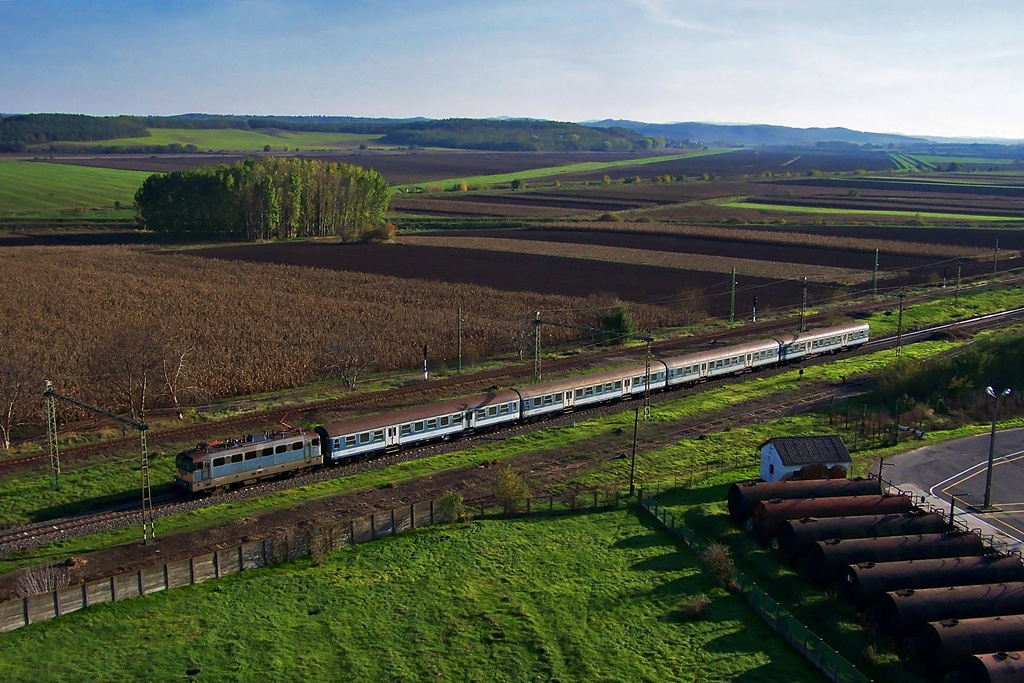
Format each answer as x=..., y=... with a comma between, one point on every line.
x=233, y=140
x=549, y=171
x=587, y=597
x=869, y=212
x=33, y=188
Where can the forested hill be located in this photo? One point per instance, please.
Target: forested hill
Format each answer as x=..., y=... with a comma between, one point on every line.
x=29, y=129
x=518, y=135
x=756, y=135
x=21, y=132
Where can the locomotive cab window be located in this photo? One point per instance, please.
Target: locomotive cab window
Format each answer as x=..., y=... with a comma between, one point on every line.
x=281, y=449
x=250, y=455
x=218, y=462
x=266, y=451
x=237, y=457
x=297, y=446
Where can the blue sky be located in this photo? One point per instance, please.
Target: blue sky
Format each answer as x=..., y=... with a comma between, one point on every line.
x=936, y=67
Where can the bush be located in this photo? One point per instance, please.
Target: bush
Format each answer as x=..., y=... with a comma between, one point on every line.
x=609, y=218
x=695, y=607
x=717, y=560
x=383, y=233
x=518, y=184
x=618, y=322
x=42, y=579
x=452, y=507
x=510, y=489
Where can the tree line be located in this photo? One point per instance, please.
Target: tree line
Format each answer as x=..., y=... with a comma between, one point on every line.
x=19, y=131
x=530, y=136
x=265, y=199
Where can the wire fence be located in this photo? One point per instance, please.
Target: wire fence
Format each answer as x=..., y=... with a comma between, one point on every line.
x=824, y=657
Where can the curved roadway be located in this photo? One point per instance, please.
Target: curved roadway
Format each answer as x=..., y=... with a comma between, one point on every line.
x=959, y=469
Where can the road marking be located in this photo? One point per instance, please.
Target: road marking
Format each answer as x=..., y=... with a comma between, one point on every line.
x=960, y=478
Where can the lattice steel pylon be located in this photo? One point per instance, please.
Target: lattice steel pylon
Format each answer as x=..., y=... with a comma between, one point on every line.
x=51, y=436
x=148, y=528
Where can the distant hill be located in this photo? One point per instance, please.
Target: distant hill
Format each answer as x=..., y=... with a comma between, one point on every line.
x=754, y=135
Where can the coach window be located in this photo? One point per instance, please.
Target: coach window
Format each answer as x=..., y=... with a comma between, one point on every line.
x=266, y=451
x=492, y=411
x=406, y=430
x=445, y=421
x=350, y=441
x=579, y=393
x=457, y=418
x=251, y=455
x=558, y=397
x=432, y=423
x=378, y=435
x=218, y=462
x=419, y=426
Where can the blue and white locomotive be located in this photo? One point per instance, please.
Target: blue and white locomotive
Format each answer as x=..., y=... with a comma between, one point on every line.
x=221, y=465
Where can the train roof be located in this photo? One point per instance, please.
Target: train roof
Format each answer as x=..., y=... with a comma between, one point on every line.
x=715, y=354
x=381, y=420
x=590, y=379
x=204, y=451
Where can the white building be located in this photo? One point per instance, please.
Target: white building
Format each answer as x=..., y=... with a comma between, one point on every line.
x=804, y=457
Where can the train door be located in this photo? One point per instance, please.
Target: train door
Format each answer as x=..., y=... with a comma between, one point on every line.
x=750, y=359
x=392, y=437
x=703, y=370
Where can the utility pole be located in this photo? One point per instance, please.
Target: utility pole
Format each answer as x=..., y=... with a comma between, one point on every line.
x=148, y=528
x=632, y=460
x=51, y=437
x=460, y=339
x=426, y=375
x=536, y=346
x=874, y=277
x=537, y=322
x=753, y=313
x=992, y=442
x=956, y=292
x=995, y=258
x=732, y=297
x=899, y=325
x=803, y=301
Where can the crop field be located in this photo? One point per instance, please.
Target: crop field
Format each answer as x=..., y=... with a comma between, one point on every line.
x=242, y=329
x=35, y=188
x=233, y=140
x=582, y=598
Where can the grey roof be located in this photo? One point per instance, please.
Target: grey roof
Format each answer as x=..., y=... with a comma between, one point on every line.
x=809, y=450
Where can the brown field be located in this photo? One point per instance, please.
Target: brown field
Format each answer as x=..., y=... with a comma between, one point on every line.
x=87, y=316
x=647, y=256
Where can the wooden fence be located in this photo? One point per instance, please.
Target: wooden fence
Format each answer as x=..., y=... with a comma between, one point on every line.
x=311, y=541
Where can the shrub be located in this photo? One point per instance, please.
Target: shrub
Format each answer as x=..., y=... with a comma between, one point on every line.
x=717, y=560
x=452, y=507
x=42, y=579
x=609, y=218
x=695, y=607
x=510, y=489
x=518, y=184
x=382, y=233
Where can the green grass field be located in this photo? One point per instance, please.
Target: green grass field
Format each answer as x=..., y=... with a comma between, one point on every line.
x=31, y=188
x=547, y=172
x=868, y=212
x=233, y=140
x=589, y=597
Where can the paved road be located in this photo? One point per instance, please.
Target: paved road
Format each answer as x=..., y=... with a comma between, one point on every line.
x=959, y=468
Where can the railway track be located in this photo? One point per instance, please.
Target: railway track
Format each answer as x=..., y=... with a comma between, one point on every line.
x=449, y=386
x=40, y=533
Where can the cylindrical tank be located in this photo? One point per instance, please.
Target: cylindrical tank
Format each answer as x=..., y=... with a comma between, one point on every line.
x=864, y=582
x=825, y=560
x=950, y=643
x=769, y=514
x=795, y=536
x=997, y=667
x=744, y=495
x=901, y=612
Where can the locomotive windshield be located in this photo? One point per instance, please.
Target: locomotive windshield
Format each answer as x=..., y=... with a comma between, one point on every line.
x=184, y=463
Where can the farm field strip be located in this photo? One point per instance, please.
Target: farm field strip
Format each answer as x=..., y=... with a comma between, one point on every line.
x=868, y=212
x=582, y=167
x=235, y=140
x=646, y=257
x=31, y=187
x=752, y=234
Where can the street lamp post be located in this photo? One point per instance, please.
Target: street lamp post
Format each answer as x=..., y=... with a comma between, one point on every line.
x=992, y=442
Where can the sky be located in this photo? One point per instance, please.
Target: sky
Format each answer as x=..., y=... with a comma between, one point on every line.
x=920, y=67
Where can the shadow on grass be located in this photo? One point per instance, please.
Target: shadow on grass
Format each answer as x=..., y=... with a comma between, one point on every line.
x=120, y=500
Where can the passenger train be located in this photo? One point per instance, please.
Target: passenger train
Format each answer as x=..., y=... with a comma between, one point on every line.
x=221, y=465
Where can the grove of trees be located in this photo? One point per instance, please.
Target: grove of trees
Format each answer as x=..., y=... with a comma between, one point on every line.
x=268, y=198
